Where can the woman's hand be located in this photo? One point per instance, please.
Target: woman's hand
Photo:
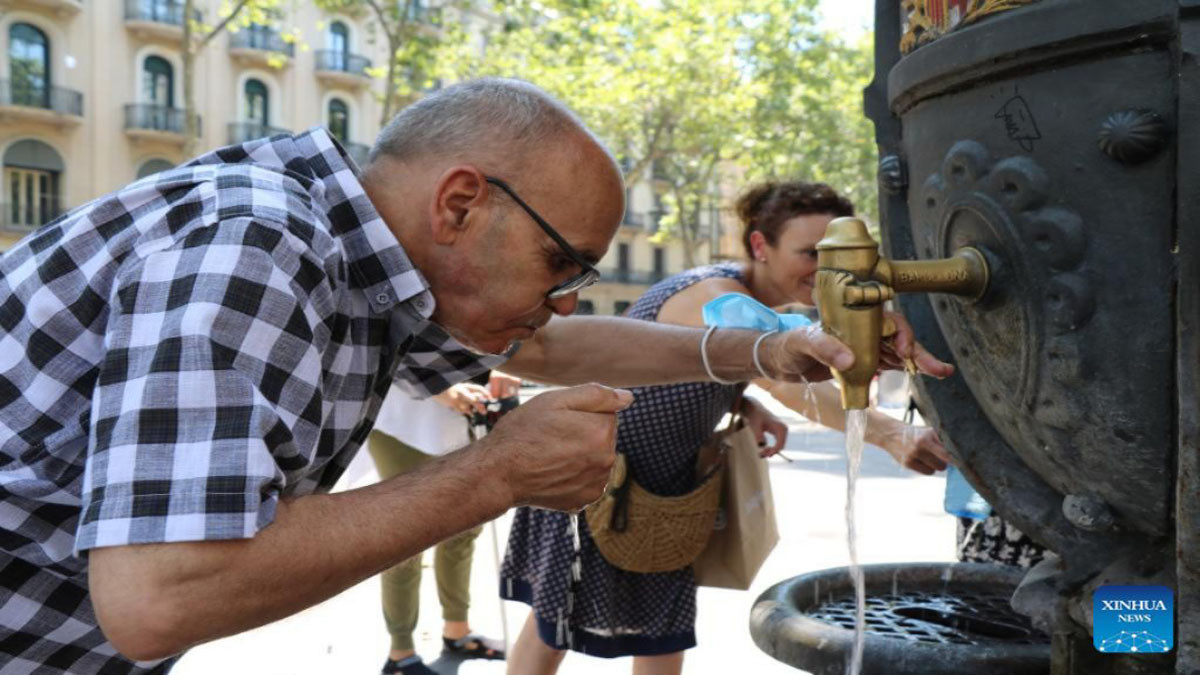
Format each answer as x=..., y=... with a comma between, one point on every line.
x=503, y=386
x=465, y=398
x=762, y=422
x=917, y=448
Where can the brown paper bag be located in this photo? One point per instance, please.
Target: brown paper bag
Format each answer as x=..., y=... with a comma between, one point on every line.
x=746, y=532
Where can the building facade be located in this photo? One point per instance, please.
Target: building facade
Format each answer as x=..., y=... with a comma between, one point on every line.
x=91, y=93
x=91, y=98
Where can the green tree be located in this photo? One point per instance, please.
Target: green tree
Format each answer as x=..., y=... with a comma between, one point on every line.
x=414, y=32
x=198, y=35
x=691, y=91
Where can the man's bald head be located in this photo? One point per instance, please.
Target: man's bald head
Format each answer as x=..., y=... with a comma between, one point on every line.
x=490, y=121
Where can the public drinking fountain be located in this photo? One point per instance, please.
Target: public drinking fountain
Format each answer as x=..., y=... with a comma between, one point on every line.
x=1050, y=145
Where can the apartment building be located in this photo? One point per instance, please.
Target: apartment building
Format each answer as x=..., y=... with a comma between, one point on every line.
x=91, y=98
x=91, y=93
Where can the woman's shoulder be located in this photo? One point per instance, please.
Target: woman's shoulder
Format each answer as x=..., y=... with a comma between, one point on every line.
x=647, y=307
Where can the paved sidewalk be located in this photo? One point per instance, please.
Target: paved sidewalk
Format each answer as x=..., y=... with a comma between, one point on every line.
x=900, y=520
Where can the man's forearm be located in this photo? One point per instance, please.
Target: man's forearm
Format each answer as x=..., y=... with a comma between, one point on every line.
x=156, y=600
x=629, y=353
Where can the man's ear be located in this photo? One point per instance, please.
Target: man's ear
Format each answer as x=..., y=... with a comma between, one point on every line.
x=459, y=202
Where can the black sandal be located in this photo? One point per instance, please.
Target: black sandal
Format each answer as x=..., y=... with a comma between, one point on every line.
x=474, y=647
x=412, y=665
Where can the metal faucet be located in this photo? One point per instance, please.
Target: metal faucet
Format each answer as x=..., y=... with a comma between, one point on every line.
x=853, y=282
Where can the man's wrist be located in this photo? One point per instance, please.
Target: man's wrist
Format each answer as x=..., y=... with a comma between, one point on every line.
x=489, y=467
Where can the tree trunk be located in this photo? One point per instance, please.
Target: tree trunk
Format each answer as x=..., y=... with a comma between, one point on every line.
x=389, y=83
x=189, y=98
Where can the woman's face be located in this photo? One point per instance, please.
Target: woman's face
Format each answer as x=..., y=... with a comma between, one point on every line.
x=792, y=263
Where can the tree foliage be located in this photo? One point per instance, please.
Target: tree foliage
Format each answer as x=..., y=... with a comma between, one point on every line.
x=413, y=33
x=692, y=92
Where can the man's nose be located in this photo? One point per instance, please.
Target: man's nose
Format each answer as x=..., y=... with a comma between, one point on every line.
x=564, y=306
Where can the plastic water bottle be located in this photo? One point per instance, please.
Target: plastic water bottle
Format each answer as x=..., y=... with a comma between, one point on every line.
x=962, y=499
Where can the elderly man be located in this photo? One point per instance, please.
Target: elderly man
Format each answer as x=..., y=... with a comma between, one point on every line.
x=189, y=363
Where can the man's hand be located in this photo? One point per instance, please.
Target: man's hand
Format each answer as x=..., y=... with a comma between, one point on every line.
x=918, y=449
x=503, y=386
x=557, y=449
x=465, y=398
x=807, y=354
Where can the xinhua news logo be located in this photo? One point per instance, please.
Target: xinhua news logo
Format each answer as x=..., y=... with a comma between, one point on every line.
x=1127, y=619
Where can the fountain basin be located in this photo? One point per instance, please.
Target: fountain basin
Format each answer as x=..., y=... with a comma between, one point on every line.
x=922, y=619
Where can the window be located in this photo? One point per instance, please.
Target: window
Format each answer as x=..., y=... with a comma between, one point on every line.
x=258, y=103
x=29, y=65
x=623, y=257
x=660, y=262
x=338, y=43
x=620, y=306
x=158, y=80
x=339, y=120
x=31, y=184
x=153, y=166
x=585, y=308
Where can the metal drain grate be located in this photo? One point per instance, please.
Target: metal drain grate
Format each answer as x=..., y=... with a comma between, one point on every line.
x=963, y=619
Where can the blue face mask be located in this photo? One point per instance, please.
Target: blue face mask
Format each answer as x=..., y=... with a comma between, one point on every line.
x=734, y=310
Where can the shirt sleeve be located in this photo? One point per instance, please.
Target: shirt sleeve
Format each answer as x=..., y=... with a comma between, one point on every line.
x=208, y=400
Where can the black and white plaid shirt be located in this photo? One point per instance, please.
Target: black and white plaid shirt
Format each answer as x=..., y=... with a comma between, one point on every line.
x=179, y=355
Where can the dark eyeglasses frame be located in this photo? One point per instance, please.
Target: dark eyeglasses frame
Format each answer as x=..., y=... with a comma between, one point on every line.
x=588, y=274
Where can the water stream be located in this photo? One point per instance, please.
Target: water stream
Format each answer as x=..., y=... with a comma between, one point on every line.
x=856, y=428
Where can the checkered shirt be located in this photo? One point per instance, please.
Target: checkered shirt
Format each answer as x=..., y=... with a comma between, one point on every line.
x=177, y=356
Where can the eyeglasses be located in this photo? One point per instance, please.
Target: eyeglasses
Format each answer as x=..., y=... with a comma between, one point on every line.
x=588, y=274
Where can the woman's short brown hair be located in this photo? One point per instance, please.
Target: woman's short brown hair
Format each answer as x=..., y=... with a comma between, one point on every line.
x=765, y=207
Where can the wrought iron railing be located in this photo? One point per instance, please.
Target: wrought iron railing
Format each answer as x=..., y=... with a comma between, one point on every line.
x=240, y=132
x=159, y=11
x=258, y=37
x=156, y=118
x=23, y=217
x=339, y=61
x=33, y=95
x=626, y=276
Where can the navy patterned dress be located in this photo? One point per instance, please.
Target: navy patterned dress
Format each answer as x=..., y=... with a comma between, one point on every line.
x=619, y=613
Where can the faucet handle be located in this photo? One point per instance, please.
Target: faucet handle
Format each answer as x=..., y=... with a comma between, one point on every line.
x=857, y=293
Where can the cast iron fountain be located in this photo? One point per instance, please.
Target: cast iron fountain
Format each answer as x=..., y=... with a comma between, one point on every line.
x=1049, y=137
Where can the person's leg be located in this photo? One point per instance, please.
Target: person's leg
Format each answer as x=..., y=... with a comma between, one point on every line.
x=400, y=585
x=452, y=567
x=531, y=656
x=664, y=664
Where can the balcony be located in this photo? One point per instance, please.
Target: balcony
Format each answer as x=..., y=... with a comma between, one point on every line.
x=22, y=218
x=242, y=132
x=149, y=122
x=62, y=8
x=341, y=68
x=156, y=19
x=260, y=46
x=634, y=277
x=647, y=222
x=358, y=152
x=40, y=103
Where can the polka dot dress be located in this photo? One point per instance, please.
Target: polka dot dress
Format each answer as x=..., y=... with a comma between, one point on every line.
x=619, y=613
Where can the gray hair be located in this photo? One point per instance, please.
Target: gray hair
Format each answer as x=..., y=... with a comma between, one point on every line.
x=484, y=116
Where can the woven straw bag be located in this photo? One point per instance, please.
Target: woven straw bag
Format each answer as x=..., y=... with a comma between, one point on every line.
x=639, y=531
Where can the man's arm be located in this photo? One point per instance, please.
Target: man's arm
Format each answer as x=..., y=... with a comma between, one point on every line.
x=156, y=600
x=627, y=352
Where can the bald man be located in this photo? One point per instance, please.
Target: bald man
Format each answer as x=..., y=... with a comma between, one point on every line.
x=189, y=363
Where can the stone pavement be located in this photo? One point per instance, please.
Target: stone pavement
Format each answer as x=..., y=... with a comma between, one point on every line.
x=900, y=519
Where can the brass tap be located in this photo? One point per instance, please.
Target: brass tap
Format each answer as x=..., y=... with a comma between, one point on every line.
x=853, y=282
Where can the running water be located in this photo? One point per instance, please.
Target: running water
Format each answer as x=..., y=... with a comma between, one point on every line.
x=856, y=428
